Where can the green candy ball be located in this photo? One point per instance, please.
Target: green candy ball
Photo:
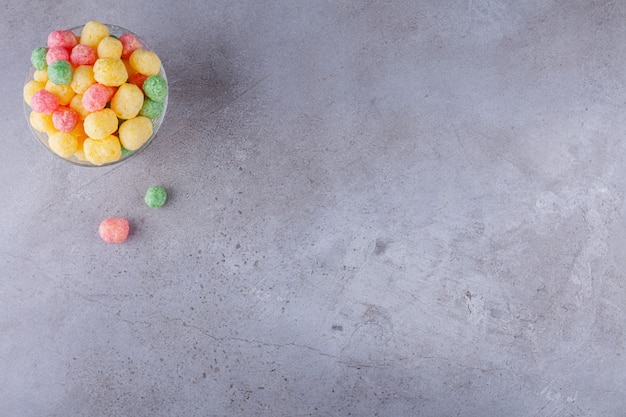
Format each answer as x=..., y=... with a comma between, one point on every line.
x=151, y=109
x=60, y=72
x=126, y=152
x=38, y=58
x=155, y=196
x=155, y=88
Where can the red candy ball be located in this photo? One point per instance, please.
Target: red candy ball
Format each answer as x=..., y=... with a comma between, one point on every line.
x=138, y=79
x=65, y=119
x=83, y=55
x=57, y=54
x=43, y=101
x=62, y=39
x=129, y=44
x=114, y=230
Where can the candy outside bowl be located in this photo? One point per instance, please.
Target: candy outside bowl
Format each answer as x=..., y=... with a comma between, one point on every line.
x=78, y=158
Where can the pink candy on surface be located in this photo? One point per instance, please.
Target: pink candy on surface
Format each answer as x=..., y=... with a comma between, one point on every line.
x=83, y=55
x=43, y=101
x=62, y=39
x=57, y=54
x=129, y=44
x=114, y=230
x=65, y=119
x=96, y=97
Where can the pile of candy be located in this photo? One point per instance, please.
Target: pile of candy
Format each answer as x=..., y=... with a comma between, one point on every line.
x=95, y=96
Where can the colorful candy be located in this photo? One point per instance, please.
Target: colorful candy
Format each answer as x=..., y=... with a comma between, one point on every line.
x=62, y=39
x=76, y=104
x=135, y=132
x=138, y=79
x=43, y=101
x=145, y=62
x=93, y=32
x=65, y=119
x=114, y=230
x=38, y=58
x=129, y=44
x=100, y=124
x=63, y=144
x=63, y=92
x=40, y=75
x=110, y=47
x=60, y=72
x=30, y=88
x=42, y=122
x=95, y=95
x=110, y=72
x=100, y=152
x=127, y=101
x=83, y=55
x=151, y=109
x=155, y=196
x=155, y=88
x=56, y=54
x=82, y=79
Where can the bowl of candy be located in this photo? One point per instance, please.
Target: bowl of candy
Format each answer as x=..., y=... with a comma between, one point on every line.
x=95, y=95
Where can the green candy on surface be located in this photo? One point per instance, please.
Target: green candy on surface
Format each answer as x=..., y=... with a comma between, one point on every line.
x=38, y=58
x=155, y=196
x=155, y=88
x=151, y=109
x=60, y=72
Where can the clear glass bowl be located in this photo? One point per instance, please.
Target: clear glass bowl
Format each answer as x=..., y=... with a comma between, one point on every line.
x=42, y=138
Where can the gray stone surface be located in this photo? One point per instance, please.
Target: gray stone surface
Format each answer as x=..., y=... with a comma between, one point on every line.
x=392, y=208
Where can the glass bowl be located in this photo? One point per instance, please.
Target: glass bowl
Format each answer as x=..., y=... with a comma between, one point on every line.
x=78, y=158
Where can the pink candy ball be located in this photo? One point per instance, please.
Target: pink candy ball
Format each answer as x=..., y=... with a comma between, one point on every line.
x=129, y=44
x=114, y=230
x=96, y=97
x=62, y=39
x=43, y=101
x=83, y=55
x=57, y=54
x=65, y=119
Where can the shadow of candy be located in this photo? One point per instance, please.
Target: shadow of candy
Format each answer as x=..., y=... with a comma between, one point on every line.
x=208, y=82
x=204, y=79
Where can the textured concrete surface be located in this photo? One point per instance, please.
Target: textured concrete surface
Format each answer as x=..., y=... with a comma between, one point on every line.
x=377, y=208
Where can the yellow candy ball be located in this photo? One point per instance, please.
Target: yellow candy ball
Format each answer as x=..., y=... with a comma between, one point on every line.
x=135, y=132
x=127, y=101
x=30, y=88
x=110, y=72
x=82, y=79
x=93, y=32
x=41, y=75
x=80, y=154
x=79, y=132
x=145, y=62
x=98, y=125
x=42, y=122
x=110, y=47
x=63, y=144
x=63, y=92
x=103, y=151
x=77, y=105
